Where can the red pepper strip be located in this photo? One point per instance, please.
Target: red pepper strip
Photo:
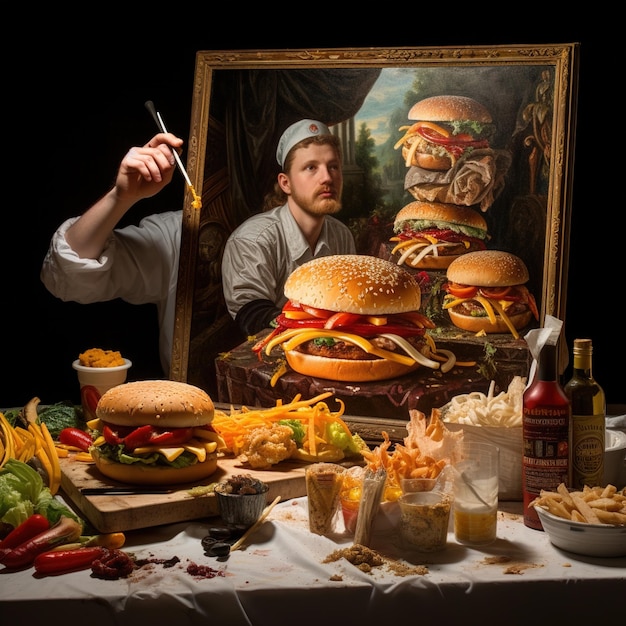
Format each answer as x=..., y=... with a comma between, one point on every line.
x=34, y=525
x=139, y=437
x=111, y=437
x=62, y=561
x=65, y=530
x=76, y=437
x=171, y=437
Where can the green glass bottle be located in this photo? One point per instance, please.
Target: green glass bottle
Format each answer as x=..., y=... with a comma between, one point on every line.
x=587, y=430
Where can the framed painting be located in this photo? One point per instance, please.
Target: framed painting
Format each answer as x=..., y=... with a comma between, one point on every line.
x=243, y=100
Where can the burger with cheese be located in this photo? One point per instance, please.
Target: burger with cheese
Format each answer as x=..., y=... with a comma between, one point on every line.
x=430, y=235
x=486, y=292
x=354, y=318
x=155, y=432
x=446, y=129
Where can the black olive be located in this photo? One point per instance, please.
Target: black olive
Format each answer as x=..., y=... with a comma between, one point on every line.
x=220, y=532
x=207, y=542
x=219, y=548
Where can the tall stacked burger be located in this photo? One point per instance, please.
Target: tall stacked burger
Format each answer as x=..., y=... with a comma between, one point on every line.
x=354, y=318
x=430, y=235
x=486, y=292
x=155, y=432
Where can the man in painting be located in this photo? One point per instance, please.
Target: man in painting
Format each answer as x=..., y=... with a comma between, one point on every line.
x=296, y=226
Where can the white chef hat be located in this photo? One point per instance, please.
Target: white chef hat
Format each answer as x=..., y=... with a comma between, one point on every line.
x=296, y=133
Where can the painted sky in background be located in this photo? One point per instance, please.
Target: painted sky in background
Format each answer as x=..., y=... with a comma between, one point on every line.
x=386, y=95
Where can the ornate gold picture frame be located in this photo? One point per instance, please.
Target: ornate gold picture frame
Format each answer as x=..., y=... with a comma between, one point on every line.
x=243, y=100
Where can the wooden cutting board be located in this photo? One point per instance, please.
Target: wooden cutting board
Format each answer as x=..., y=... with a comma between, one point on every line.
x=119, y=513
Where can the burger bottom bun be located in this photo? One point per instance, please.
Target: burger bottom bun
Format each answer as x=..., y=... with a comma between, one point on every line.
x=430, y=161
x=346, y=370
x=139, y=474
x=476, y=324
x=431, y=262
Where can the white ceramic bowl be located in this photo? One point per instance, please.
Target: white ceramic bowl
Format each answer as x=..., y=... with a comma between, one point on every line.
x=615, y=458
x=583, y=538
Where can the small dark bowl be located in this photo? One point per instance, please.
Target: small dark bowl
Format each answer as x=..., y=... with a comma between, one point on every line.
x=239, y=511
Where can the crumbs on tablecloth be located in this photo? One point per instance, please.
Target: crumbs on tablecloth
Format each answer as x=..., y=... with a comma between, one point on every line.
x=365, y=559
x=514, y=568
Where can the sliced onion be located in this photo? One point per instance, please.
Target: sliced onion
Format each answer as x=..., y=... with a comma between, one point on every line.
x=409, y=251
x=411, y=350
x=450, y=363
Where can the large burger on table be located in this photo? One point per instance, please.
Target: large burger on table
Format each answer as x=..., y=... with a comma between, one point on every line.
x=486, y=291
x=353, y=318
x=155, y=432
x=430, y=235
x=446, y=128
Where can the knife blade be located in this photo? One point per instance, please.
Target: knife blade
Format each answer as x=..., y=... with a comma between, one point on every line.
x=123, y=491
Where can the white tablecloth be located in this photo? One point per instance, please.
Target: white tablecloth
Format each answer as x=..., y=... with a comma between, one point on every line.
x=280, y=577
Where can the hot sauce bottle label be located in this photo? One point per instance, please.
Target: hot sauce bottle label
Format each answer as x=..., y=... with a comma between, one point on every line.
x=545, y=454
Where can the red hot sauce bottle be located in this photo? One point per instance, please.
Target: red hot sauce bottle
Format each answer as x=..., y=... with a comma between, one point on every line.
x=546, y=416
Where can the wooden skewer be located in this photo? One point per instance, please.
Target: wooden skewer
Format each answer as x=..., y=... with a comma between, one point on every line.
x=264, y=514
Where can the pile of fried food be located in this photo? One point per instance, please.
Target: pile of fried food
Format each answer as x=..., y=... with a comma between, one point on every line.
x=593, y=505
x=428, y=448
x=30, y=443
x=303, y=430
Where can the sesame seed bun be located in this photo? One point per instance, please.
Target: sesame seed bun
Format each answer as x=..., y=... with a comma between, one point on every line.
x=162, y=403
x=447, y=108
x=488, y=268
x=354, y=283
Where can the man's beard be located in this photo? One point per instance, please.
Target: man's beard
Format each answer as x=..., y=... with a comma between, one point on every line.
x=317, y=206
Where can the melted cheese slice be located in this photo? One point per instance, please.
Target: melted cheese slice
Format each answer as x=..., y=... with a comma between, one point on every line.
x=171, y=453
x=293, y=338
x=489, y=305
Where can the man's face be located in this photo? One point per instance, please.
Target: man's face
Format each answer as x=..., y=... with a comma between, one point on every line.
x=315, y=180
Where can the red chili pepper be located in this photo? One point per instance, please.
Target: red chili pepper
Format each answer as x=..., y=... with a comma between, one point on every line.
x=65, y=530
x=89, y=396
x=62, y=561
x=34, y=525
x=76, y=437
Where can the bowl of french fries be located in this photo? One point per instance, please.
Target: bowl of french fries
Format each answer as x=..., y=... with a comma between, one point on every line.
x=590, y=521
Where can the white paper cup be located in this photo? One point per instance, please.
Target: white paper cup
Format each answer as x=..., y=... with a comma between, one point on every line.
x=95, y=381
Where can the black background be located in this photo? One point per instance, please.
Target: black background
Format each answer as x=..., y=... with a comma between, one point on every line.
x=75, y=101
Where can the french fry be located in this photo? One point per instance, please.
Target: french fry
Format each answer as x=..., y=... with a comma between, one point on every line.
x=591, y=505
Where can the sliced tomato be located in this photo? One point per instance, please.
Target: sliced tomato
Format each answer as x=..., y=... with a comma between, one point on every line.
x=319, y=313
x=499, y=293
x=461, y=291
x=341, y=319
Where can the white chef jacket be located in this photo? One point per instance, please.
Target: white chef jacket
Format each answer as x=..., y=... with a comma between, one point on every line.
x=139, y=265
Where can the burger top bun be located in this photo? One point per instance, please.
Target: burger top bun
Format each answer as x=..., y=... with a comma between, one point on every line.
x=488, y=268
x=164, y=403
x=441, y=213
x=354, y=283
x=444, y=108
